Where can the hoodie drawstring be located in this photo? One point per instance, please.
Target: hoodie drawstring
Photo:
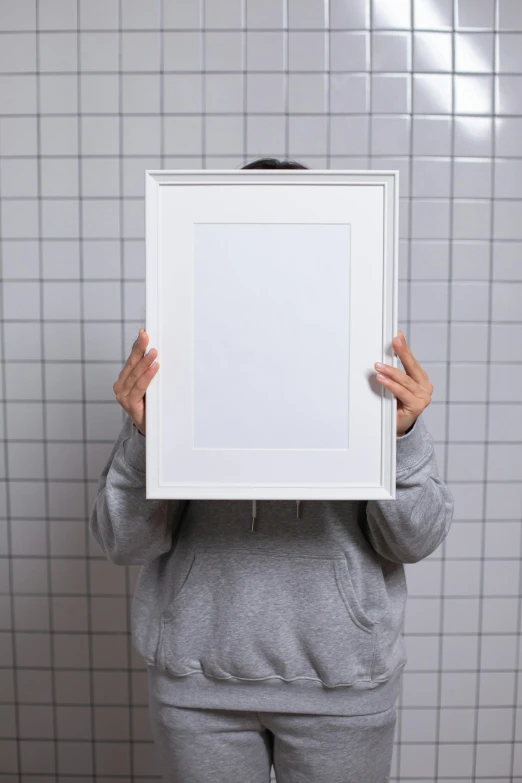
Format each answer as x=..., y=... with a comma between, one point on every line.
x=254, y=511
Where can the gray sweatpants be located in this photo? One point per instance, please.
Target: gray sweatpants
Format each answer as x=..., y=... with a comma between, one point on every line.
x=236, y=746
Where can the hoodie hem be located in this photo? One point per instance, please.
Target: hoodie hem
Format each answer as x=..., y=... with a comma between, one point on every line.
x=273, y=695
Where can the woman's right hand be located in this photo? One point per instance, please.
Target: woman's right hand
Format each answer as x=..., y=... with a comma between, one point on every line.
x=133, y=380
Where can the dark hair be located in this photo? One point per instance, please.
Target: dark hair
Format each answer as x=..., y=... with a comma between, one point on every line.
x=274, y=163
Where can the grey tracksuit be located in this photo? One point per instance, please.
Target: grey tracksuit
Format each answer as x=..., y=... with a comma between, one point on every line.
x=300, y=613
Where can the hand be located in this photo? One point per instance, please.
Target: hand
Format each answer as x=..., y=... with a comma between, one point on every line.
x=133, y=380
x=412, y=388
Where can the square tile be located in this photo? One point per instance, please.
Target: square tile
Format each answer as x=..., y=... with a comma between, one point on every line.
x=306, y=51
x=419, y=689
x=306, y=13
x=474, y=52
x=181, y=14
x=391, y=136
x=29, y=575
x=458, y=689
x=501, y=576
x=36, y=721
x=496, y=689
x=265, y=51
x=141, y=93
x=33, y=686
x=19, y=218
x=140, y=51
x=110, y=651
x=461, y=615
x=224, y=93
x=350, y=51
x=268, y=14
x=472, y=178
x=349, y=93
x=69, y=613
x=33, y=650
x=473, y=94
x=436, y=16
x=507, y=220
x=53, y=16
x=456, y=759
x=73, y=722
x=223, y=51
x=183, y=51
x=68, y=578
x=75, y=758
x=431, y=177
x=390, y=94
x=224, y=135
x=99, y=51
x=431, y=135
x=307, y=134
x=355, y=14
x=111, y=723
x=432, y=93
x=19, y=16
x=266, y=93
x=182, y=92
x=417, y=759
x=384, y=17
x=457, y=724
x=58, y=94
x=504, y=424
x=37, y=757
x=18, y=53
x=18, y=94
x=184, y=135
x=430, y=219
x=58, y=51
x=31, y=612
x=307, y=93
x=432, y=52
x=142, y=135
x=72, y=687
x=474, y=13
x=507, y=174
x=265, y=136
x=509, y=100
x=349, y=135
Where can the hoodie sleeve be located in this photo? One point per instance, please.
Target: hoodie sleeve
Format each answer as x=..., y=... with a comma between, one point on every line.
x=412, y=526
x=129, y=528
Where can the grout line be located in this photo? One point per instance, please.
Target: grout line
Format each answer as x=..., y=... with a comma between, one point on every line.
x=49, y=593
x=83, y=367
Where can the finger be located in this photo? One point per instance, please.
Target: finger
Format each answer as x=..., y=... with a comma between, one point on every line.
x=399, y=376
x=136, y=364
x=409, y=362
x=137, y=392
x=136, y=374
x=135, y=356
x=412, y=402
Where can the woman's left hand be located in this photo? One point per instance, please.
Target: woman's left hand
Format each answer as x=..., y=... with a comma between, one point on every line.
x=412, y=388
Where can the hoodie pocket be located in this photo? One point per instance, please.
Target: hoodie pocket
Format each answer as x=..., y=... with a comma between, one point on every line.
x=259, y=615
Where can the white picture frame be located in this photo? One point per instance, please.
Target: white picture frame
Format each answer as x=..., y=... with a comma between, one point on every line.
x=270, y=294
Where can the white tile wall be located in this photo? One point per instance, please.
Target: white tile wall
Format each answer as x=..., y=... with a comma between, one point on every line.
x=93, y=92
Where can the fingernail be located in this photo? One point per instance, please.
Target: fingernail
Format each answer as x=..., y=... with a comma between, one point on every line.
x=379, y=365
x=399, y=341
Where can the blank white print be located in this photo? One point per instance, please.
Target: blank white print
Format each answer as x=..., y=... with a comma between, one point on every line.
x=271, y=335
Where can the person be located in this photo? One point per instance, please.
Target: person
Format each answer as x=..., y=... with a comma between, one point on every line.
x=277, y=644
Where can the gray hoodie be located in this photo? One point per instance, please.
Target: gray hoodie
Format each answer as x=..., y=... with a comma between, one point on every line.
x=302, y=612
